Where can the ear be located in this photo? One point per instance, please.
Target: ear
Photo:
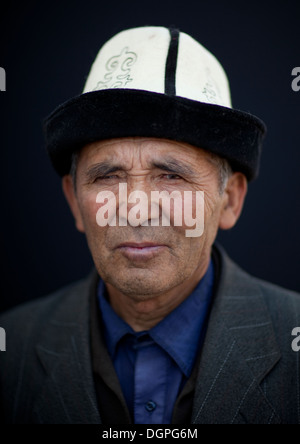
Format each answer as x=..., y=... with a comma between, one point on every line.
x=70, y=195
x=234, y=197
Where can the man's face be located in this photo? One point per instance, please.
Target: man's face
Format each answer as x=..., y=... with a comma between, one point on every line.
x=149, y=260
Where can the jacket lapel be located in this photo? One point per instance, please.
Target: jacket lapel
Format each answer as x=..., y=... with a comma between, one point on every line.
x=68, y=395
x=239, y=351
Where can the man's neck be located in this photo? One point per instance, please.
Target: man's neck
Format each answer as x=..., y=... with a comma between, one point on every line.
x=143, y=313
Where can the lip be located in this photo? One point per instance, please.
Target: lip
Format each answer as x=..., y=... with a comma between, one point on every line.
x=140, y=251
x=140, y=245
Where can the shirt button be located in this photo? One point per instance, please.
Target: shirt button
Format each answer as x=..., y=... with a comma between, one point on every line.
x=150, y=406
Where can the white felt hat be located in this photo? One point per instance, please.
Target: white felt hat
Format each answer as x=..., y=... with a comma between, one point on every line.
x=145, y=59
x=156, y=82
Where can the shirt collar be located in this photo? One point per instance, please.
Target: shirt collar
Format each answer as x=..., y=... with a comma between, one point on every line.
x=179, y=334
x=114, y=327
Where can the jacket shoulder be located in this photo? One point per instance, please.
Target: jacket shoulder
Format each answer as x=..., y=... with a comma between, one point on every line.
x=284, y=309
x=240, y=281
x=36, y=311
x=25, y=324
x=22, y=372
x=282, y=303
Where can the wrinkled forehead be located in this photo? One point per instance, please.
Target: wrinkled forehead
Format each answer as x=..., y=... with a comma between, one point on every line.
x=143, y=150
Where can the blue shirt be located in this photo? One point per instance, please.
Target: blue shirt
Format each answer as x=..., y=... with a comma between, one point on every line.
x=153, y=366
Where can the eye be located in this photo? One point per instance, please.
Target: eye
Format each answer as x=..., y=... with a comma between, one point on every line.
x=172, y=177
x=103, y=178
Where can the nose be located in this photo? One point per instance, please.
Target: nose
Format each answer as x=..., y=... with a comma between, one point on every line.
x=134, y=205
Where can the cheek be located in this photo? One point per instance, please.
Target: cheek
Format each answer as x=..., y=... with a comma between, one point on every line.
x=204, y=212
x=212, y=205
x=89, y=208
x=212, y=220
x=185, y=209
x=194, y=214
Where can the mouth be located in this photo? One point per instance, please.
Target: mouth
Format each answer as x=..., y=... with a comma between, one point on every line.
x=140, y=251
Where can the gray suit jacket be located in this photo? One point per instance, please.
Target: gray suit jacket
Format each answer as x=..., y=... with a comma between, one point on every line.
x=248, y=372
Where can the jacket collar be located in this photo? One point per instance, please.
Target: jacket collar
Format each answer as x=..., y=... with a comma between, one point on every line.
x=240, y=349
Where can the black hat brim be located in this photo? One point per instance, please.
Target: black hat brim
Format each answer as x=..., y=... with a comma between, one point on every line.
x=116, y=113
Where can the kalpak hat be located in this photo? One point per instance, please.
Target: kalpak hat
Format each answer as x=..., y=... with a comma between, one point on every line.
x=158, y=83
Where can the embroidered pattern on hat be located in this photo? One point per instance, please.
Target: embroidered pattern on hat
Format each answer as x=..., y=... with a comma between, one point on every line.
x=118, y=71
x=211, y=90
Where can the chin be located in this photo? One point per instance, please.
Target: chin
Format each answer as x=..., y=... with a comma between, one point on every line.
x=139, y=286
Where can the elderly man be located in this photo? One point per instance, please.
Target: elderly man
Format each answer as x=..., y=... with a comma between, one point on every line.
x=167, y=329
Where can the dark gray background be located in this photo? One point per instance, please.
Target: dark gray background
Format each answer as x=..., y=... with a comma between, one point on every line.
x=47, y=49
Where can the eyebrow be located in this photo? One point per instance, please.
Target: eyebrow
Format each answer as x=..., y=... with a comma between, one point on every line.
x=100, y=170
x=172, y=166
x=169, y=165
